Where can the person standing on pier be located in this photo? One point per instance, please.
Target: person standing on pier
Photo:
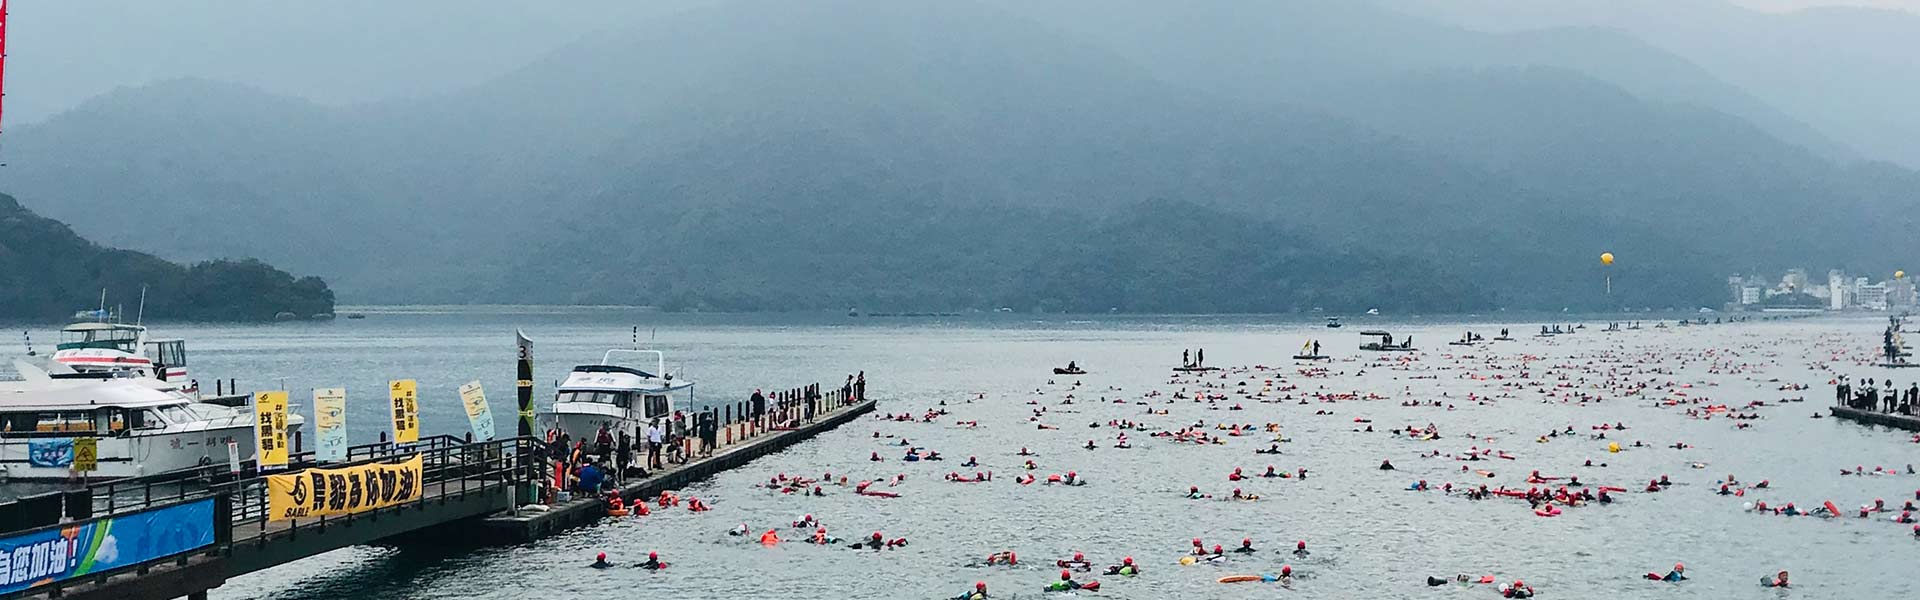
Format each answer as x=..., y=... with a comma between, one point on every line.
x=654, y=438
x=623, y=455
x=757, y=403
x=1843, y=393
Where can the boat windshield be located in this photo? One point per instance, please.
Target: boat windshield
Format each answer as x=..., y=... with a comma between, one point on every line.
x=109, y=338
x=620, y=399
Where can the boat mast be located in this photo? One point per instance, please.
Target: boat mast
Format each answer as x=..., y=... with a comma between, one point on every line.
x=3, y=56
x=139, y=317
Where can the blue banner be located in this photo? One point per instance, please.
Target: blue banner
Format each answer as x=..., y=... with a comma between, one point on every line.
x=50, y=555
x=56, y=452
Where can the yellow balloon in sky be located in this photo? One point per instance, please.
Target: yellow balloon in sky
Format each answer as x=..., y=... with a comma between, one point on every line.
x=1606, y=258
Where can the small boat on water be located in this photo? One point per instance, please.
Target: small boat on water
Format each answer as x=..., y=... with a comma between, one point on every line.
x=617, y=397
x=1072, y=368
x=1333, y=323
x=141, y=426
x=1385, y=343
x=1310, y=351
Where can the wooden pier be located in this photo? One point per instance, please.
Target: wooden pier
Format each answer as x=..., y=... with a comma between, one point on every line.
x=750, y=442
x=1872, y=417
x=471, y=493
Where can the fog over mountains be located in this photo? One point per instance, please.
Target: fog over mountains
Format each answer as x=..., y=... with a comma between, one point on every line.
x=1068, y=155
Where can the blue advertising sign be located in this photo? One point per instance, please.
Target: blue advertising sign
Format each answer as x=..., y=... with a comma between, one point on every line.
x=54, y=452
x=33, y=559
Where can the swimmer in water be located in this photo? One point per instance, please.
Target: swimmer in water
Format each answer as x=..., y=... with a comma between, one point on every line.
x=1125, y=567
x=1078, y=562
x=1386, y=465
x=1198, y=549
x=1193, y=493
x=600, y=562
x=653, y=562
x=979, y=592
x=1300, y=549
x=1678, y=574
x=1777, y=581
x=1246, y=546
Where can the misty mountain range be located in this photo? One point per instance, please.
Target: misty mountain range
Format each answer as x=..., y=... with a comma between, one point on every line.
x=1067, y=155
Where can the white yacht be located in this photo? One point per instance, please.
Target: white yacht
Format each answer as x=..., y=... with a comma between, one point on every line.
x=618, y=397
x=107, y=347
x=142, y=426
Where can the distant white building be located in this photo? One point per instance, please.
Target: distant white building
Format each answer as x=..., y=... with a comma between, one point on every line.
x=1836, y=290
x=1795, y=280
x=1872, y=296
x=1750, y=295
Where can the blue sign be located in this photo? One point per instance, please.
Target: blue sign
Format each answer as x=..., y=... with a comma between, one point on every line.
x=56, y=452
x=49, y=555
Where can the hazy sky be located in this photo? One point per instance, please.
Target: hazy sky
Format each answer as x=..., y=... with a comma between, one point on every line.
x=339, y=52
x=1786, y=5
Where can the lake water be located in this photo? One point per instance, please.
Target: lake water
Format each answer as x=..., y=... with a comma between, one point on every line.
x=1370, y=537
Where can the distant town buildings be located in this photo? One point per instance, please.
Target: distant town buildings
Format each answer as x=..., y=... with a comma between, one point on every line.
x=1794, y=291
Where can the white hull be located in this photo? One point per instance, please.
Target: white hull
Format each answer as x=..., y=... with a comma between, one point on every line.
x=135, y=455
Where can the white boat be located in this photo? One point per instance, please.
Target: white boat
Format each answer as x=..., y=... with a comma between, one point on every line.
x=106, y=347
x=617, y=397
x=141, y=426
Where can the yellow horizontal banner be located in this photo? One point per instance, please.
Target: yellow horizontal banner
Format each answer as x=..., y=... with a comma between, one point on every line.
x=342, y=491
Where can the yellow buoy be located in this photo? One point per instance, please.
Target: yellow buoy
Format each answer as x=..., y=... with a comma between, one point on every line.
x=1613, y=447
x=1187, y=560
x=1606, y=258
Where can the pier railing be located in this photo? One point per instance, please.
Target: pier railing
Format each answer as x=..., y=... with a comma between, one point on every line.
x=451, y=469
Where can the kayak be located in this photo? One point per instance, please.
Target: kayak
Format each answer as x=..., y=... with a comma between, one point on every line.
x=1240, y=578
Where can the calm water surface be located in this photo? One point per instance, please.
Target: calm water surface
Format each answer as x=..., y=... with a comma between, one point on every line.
x=1370, y=537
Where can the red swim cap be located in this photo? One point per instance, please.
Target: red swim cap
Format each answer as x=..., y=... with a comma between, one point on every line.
x=602, y=557
x=1065, y=575
x=1129, y=560
x=653, y=555
x=980, y=585
x=876, y=535
x=1246, y=541
x=1079, y=556
x=1196, y=541
x=1302, y=545
x=1286, y=570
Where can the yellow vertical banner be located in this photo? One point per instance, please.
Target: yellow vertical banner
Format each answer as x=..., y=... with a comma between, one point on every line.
x=406, y=411
x=270, y=412
x=479, y=414
x=330, y=425
x=86, y=454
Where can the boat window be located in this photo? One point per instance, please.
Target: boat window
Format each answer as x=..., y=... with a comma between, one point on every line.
x=171, y=353
x=656, y=405
x=150, y=420
x=116, y=420
x=177, y=414
x=19, y=422
x=77, y=422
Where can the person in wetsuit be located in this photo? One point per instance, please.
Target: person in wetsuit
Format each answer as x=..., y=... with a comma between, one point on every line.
x=1125, y=567
x=1678, y=574
x=1246, y=546
x=1300, y=549
x=979, y=592
x=653, y=562
x=1778, y=581
x=600, y=562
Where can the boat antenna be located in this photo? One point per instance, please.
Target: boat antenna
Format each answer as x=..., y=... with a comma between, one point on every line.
x=103, y=292
x=141, y=316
